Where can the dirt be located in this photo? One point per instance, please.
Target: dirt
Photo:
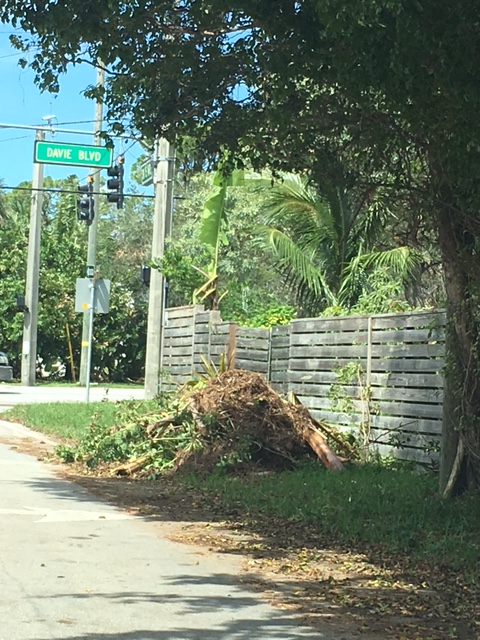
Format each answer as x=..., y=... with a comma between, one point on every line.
x=357, y=595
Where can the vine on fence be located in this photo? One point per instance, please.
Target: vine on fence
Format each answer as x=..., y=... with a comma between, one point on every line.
x=353, y=374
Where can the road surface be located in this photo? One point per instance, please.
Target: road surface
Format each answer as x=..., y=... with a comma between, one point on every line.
x=74, y=568
x=12, y=394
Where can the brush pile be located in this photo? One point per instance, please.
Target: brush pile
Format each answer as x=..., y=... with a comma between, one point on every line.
x=239, y=414
x=235, y=419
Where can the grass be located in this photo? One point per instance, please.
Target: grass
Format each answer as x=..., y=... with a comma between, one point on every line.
x=397, y=510
x=68, y=420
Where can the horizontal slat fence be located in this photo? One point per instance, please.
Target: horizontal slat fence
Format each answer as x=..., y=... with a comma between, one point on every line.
x=279, y=358
x=407, y=360
x=178, y=345
x=398, y=389
x=252, y=349
x=395, y=362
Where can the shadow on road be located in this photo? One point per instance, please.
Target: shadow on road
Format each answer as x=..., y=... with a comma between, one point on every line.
x=351, y=592
x=276, y=629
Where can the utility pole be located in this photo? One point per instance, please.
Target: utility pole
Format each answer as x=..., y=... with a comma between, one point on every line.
x=87, y=334
x=30, y=316
x=163, y=179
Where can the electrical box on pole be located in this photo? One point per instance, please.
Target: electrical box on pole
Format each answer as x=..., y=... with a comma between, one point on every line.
x=116, y=183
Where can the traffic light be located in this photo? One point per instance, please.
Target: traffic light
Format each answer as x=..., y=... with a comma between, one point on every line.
x=115, y=185
x=85, y=204
x=145, y=274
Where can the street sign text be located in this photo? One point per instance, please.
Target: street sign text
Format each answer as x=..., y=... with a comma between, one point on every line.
x=79, y=155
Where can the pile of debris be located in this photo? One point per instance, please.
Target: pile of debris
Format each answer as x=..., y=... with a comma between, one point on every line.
x=238, y=419
x=239, y=415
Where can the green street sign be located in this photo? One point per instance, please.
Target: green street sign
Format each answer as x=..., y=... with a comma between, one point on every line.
x=146, y=174
x=79, y=155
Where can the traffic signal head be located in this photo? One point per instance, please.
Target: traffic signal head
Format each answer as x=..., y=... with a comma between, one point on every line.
x=85, y=204
x=115, y=184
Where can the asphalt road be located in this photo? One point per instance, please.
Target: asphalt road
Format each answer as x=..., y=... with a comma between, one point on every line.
x=72, y=567
x=12, y=394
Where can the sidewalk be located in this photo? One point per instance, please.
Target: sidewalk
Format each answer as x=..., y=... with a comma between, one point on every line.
x=75, y=568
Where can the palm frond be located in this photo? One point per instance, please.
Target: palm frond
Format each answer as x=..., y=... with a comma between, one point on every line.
x=295, y=206
x=400, y=262
x=299, y=267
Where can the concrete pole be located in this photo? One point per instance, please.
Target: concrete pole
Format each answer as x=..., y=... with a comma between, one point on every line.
x=92, y=232
x=163, y=180
x=30, y=317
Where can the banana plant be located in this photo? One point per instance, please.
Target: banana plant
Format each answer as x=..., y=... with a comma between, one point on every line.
x=212, y=234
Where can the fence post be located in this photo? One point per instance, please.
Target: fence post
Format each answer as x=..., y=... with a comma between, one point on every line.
x=369, y=350
x=194, y=334
x=231, y=347
x=269, y=356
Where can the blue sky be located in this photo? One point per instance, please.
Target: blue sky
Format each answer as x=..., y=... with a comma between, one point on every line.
x=22, y=103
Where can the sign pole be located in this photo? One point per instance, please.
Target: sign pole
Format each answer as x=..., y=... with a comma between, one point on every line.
x=92, y=233
x=89, y=317
x=30, y=316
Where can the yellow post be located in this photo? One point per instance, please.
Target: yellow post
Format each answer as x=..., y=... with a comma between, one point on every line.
x=70, y=351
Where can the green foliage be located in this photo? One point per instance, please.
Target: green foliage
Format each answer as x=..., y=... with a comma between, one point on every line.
x=123, y=241
x=381, y=293
x=271, y=316
x=350, y=386
x=244, y=270
x=63, y=248
x=126, y=436
x=327, y=253
x=182, y=277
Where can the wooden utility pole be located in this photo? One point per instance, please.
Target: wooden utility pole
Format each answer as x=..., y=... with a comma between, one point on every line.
x=30, y=316
x=164, y=170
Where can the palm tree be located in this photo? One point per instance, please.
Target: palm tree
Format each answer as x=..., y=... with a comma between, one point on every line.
x=325, y=246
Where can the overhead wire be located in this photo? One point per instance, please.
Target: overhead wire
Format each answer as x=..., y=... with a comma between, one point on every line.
x=16, y=138
x=56, y=190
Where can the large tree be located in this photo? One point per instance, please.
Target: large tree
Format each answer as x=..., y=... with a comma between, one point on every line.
x=391, y=89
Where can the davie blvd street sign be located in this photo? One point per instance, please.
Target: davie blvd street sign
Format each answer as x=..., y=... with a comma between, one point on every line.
x=78, y=155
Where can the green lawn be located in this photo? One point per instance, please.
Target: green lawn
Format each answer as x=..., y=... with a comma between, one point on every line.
x=67, y=420
x=397, y=510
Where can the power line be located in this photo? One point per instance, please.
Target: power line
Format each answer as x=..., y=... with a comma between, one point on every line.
x=76, y=192
x=10, y=55
x=54, y=130
x=17, y=138
x=18, y=54
x=76, y=122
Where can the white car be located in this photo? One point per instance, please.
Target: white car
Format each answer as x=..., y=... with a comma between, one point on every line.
x=6, y=372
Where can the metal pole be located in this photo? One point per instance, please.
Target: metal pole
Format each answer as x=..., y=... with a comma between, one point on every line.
x=92, y=231
x=30, y=317
x=164, y=172
x=89, y=316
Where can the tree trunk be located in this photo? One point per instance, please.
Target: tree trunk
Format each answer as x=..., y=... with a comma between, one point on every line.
x=460, y=456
